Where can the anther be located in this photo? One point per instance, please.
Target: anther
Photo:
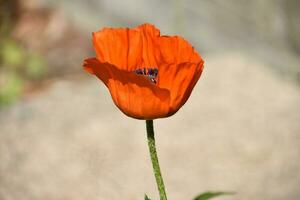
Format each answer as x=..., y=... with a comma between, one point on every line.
x=150, y=73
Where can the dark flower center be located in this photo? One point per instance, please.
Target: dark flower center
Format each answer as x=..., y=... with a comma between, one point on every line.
x=150, y=73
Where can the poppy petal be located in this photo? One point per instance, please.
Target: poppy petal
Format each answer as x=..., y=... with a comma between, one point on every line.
x=182, y=72
x=92, y=66
x=175, y=49
x=126, y=48
x=133, y=94
x=179, y=80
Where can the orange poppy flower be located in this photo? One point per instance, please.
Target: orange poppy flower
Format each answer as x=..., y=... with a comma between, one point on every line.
x=148, y=75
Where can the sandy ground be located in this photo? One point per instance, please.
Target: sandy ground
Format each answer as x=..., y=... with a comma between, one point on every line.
x=239, y=131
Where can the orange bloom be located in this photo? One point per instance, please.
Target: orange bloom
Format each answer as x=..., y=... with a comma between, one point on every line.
x=148, y=75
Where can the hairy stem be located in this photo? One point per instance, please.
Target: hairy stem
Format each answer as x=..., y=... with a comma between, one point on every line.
x=154, y=160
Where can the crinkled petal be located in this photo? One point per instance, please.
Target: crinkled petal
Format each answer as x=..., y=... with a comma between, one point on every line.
x=179, y=80
x=182, y=67
x=133, y=94
x=175, y=49
x=128, y=49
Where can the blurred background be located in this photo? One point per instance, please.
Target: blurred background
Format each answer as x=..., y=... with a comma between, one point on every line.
x=61, y=137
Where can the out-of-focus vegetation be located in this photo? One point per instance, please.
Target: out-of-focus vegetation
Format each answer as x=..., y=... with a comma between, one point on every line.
x=17, y=67
x=17, y=64
x=38, y=42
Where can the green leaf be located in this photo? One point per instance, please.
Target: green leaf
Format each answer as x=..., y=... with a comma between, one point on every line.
x=209, y=195
x=146, y=197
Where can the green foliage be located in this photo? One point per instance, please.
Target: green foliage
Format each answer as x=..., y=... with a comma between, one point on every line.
x=17, y=66
x=12, y=53
x=10, y=88
x=146, y=197
x=209, y=195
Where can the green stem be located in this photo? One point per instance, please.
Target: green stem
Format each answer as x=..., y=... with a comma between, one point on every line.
x=154, y=159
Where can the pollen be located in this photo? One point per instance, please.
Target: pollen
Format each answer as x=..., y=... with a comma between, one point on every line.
x=150, y=73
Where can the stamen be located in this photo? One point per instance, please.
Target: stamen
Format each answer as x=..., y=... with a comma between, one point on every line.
x=150, y=73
